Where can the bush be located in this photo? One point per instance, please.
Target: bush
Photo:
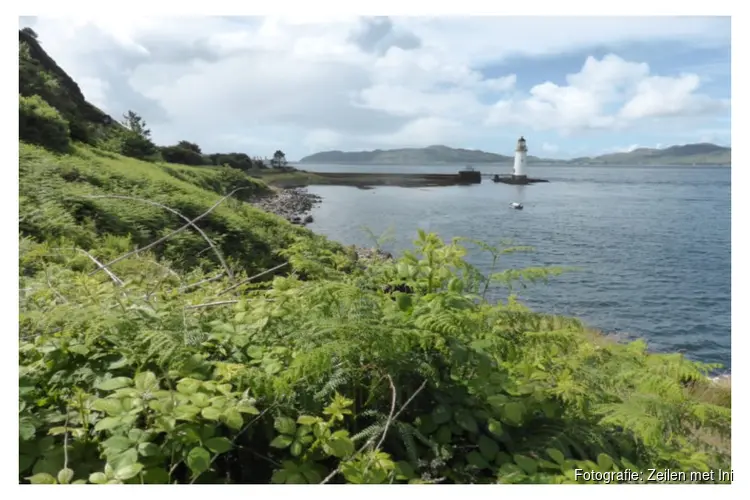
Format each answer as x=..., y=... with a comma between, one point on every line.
x=182, y=155
x=240, y=161
x=137, y=146
x=39, y=123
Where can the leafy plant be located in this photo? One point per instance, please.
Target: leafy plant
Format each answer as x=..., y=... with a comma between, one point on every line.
x=40, y=123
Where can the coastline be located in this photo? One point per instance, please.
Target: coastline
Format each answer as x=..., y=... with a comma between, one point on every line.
x=293, y=178
x=295, y=204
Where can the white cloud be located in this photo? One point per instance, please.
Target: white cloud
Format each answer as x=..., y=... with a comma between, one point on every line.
x=609, y=93
x=343, y=82
x=550, y=148
x=625, y=149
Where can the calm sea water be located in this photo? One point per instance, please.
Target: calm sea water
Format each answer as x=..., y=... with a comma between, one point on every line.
x=652, y=245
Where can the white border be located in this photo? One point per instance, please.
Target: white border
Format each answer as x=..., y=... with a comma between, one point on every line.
x=9, y=199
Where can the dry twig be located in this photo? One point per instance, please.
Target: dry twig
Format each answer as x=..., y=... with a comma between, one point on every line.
x=372, y=439
x=173, y=233
x=178, y=214
x=247, y=280
x=212, y=304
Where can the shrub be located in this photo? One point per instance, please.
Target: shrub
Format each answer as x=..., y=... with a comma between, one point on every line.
x=182, y=155
x=39, y=123
x=137, y=146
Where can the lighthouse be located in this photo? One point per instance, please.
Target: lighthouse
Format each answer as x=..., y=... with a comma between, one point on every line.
x=519, y=163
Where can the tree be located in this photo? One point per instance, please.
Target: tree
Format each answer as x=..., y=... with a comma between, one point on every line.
x=31, y=33
x=189, y=145
x=136, y=141
x=135, y=123
x=279, y=159
x=184, y=152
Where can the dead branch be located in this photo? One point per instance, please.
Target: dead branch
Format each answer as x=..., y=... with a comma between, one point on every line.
x=212, y=304
x=390, y=415
x=201, y=282
x=117, y=280
x=176, y=231
x=247, y=280
x=390, y=419
x=99, y=265
x=54, y=290
x=178, y=214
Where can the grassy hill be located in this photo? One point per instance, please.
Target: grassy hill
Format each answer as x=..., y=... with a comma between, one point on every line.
x=170, y=332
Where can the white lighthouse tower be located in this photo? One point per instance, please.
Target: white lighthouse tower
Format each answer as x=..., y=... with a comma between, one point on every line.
x=519, y=163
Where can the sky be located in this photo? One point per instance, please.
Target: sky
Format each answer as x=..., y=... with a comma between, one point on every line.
x=572, y=86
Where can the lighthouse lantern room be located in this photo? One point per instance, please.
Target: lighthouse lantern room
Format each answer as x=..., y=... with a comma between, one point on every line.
x=519, y=163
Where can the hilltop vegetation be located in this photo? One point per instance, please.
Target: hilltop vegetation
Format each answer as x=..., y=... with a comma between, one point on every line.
x=170, y=332
x=698, y=154
x=53, y=112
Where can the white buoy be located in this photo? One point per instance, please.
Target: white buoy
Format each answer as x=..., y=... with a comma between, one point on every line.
x=519, y=163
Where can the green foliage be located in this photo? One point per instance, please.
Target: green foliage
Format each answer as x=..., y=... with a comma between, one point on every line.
x=243, y=349
x=135, y=140
x=184, y=152
x=55, y=202
x=39, y=75
x=136, y=124
x=157, y=378
x=138, y=146
x=240, y=161
x=39, y=123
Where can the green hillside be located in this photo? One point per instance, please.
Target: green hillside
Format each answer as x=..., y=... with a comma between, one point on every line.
x=172, y=333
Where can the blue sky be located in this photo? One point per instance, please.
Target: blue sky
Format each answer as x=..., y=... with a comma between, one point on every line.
x=573, y=86
x=711, y=63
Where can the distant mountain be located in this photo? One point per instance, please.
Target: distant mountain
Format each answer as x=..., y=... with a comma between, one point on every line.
x=689, y=154
x=431, y=155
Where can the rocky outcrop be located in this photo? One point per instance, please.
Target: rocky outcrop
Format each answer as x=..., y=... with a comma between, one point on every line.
x=372, y=254
x=291, y=204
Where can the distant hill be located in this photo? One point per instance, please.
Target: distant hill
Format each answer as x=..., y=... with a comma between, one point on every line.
x=698, y=154
x=689, y=154
x=431, y=155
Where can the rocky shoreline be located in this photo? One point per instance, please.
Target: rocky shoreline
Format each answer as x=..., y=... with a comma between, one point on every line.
x=295, y=205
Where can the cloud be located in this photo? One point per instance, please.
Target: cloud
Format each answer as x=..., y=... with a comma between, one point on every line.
x=344, y=82
x=377, y=34
x=609, y=93
x=624, y=149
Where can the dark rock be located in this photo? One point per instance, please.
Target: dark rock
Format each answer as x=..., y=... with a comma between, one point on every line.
x=308, y=219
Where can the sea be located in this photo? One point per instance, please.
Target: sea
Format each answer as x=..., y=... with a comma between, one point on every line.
x=651, y=246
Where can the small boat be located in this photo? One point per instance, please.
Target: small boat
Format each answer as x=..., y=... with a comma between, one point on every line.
x=517, y=206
